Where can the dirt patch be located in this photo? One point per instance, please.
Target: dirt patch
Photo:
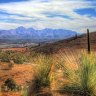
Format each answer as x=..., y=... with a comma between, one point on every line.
x=10, y=94
x=22, y=74
x=15, y=49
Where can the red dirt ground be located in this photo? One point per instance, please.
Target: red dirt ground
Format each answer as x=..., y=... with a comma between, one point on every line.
x=22, y=74
x=15, y=49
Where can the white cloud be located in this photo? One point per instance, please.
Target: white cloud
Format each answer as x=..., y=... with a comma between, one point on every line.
x=34, y=9
x=8, y=25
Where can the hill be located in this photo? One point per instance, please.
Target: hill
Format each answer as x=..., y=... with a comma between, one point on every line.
x=77, y=42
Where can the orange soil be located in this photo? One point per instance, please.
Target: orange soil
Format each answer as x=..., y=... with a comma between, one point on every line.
x=15, y=49
x=21, y=73
x=10, y=94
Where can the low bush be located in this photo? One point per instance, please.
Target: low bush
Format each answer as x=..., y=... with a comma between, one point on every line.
x=17, y=57
x=10, y=84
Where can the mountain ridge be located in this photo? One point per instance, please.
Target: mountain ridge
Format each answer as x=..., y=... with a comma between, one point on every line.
x=46, y=34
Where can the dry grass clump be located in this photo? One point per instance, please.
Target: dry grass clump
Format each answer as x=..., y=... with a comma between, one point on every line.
x=82, y=81
x=42, y=74
x=43, y=68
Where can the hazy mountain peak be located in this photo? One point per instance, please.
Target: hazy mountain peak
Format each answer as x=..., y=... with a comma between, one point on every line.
x=21, y=28
x=47, y=34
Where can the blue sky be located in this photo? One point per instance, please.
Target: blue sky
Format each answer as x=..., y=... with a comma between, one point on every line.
x=76, y=15
x=8, y=1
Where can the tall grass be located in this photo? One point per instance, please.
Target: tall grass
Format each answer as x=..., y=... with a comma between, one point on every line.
x=82, y=81
x=24, y=91
x=88, y=74
x=42, y=73
x=43, y=69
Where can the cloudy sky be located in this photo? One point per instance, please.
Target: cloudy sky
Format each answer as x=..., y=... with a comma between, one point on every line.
x=76, y=15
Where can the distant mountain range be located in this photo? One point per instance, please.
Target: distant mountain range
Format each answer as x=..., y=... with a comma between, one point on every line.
x=34, y=35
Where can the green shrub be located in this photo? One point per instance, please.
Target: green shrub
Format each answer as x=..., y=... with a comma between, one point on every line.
x=4, y=57
x=10, y=84
x=17, y=57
